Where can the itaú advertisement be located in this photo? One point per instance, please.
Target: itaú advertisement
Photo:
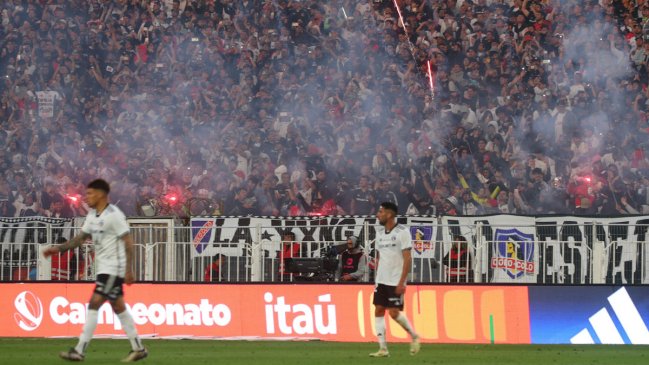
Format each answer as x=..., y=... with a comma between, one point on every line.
x=460, y=314
x=589, y=314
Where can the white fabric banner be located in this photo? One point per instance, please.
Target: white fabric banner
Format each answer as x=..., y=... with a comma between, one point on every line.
x=34, y=229
x=46, y=103
x=20, y=239
x=212, y=235
x=558, y=249
x=503, y=247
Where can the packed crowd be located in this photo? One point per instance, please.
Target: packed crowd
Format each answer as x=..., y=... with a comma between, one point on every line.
x=304, y=107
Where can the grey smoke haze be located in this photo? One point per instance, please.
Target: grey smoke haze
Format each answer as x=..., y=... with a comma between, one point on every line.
x=594, y=52
x=233, y=91
x=591, y=57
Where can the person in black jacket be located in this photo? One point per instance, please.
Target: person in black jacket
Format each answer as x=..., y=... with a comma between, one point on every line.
x=352, y=265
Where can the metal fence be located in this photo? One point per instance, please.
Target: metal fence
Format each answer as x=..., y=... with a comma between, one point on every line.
x=441, y=254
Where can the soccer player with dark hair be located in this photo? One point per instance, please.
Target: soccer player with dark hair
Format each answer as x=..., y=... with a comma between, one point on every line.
x=393, y=260
x=107, y=226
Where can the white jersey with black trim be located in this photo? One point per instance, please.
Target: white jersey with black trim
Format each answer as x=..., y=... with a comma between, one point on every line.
x=107, y=230
x=390, y=246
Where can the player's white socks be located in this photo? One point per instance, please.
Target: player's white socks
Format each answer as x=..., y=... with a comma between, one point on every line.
x=379, y=323
x=403, y=321
x=129, y=327
x=88, y=331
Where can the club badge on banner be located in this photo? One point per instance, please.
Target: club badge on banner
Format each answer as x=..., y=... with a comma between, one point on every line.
x=557, y=249
x=503, y=246
x=423, y=232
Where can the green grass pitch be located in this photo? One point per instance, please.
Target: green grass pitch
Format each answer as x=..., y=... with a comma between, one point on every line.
x=194, y=352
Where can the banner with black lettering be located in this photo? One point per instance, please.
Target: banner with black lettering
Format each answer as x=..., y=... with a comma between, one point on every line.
x=226, y=235
x=640, y=236
x=569, y=245
x=627, y=252
x=558, y=249
x=593, y=250
x=27, y=230
x=19, y=238
x=501, y=248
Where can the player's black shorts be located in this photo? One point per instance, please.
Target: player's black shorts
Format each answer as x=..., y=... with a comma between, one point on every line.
x=386, y=296
x=110, y=286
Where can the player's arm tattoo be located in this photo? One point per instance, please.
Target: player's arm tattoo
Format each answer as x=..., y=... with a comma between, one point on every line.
x=128, y=248
x=75, y=242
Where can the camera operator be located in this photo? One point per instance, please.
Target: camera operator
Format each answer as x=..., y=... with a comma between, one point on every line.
x=352, y=265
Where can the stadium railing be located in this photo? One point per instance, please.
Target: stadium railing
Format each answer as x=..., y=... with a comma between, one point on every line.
x=165, y=252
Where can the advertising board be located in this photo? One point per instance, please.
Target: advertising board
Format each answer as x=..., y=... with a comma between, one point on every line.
x=450, y=314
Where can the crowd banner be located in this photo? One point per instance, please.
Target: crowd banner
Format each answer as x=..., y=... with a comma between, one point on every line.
x=209, y=234
x=257, y=238
x=503, y=246
x=423, y=232
x=556, y=249
x=20, y=241
x=36, y=229
x=593, y=250
x=568, y=248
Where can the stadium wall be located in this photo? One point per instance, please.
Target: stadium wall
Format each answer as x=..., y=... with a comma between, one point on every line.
x=440, y=313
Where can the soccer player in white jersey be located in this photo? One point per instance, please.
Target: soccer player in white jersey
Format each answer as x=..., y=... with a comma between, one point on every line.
x=107, y=226
x=393, y=260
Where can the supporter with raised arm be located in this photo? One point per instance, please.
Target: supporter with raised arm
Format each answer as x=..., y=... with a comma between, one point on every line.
x=148, y=89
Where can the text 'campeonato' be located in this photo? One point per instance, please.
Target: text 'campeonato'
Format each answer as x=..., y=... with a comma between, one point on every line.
x=299, y=318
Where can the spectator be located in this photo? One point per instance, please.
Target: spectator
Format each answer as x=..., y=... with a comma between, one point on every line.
x=458, y=262
x=289, y=249
x=173, y=97
x=49, y=195
x=470, y=206
x=213, y=271
x=363, y=198
x=383, y=192
x=64, y=265
x=59, y=209
x=28, y=207
x=242, y=203
x=265, y=195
